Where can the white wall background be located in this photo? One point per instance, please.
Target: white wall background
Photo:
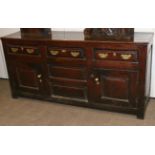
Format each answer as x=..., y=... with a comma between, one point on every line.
x=5, y=31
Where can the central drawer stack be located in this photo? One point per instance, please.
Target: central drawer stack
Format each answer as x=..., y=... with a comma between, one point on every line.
x=67, y=73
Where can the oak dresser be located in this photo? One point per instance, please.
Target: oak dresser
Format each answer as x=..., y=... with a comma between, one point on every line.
x=66, y=68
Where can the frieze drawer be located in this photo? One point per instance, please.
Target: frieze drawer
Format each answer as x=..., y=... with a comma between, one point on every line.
x=117, y=55
x=66, y=52
x=23, y=50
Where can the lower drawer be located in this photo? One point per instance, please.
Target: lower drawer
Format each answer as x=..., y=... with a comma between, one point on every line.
x=68, y=82
x=70, y=93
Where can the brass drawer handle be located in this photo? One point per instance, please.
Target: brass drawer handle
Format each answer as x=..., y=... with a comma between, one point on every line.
x=14, y=50
x=52, y=52
x=126, y=56
x=39, y=76
x=30, y=51
x=103, y=55
x=75, y=54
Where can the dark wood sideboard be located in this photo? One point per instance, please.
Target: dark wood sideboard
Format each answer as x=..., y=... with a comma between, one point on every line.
x=66, y=68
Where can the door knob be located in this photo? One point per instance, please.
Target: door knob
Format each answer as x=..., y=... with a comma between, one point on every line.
x=40, y=80
x=96, y=79
x=39, y=76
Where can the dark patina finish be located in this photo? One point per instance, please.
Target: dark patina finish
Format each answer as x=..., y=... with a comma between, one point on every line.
x=66, y=68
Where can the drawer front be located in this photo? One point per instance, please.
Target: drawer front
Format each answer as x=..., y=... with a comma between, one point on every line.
x=110, y=64
x=65, y=52
x=68, y=89
x=69, y=73
x=116, y=55
x=68, y=82
x=24, y=50
x=70, y=92
x=67, y=62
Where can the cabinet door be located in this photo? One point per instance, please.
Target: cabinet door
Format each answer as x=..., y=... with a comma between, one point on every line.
x=28, y=78
x=114, y=88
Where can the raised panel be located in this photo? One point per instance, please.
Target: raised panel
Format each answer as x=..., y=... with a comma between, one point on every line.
x=28, y=77
x=115, y=88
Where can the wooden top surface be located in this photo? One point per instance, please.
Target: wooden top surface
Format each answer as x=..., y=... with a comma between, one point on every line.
x=139, y=37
